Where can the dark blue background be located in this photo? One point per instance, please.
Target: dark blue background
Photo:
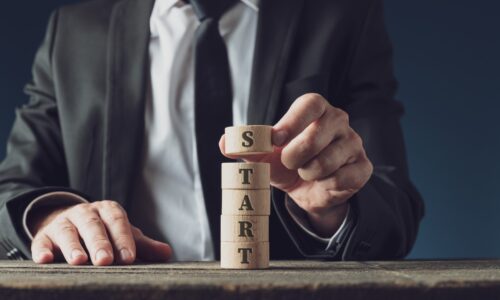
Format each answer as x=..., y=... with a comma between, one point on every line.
x=447, y=61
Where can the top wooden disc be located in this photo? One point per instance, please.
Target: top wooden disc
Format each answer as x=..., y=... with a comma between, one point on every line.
x=248, y=139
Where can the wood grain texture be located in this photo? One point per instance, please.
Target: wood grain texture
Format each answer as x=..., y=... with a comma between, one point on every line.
x=247, y=176
x=244, y=255
x=246, y=202
x=300, y=279
x=249, y=139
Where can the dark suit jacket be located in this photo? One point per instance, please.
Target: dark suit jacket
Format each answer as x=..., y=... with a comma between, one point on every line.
x=82, y=130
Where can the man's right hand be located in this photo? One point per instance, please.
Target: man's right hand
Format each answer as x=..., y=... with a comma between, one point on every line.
x=100, y=229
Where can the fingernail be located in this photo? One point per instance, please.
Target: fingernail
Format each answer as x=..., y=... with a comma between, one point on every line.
x=279, y=138
x=125, y=255
x=101, y=254
x=76, y=253
x=42, y=255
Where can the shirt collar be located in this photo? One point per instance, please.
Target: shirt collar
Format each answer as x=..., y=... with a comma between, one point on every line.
x=164, y=5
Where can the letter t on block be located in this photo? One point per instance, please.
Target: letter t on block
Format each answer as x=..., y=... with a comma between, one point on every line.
x=244, y=254
x=246, y=175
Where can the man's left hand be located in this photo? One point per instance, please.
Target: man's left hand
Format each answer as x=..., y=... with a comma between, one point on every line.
x=318, y=160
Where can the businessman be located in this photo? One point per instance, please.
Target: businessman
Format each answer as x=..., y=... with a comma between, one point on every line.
x=116, y=156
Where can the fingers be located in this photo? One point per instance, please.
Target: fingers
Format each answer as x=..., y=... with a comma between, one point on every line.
x=64, y=234
x=333, y=124
x=149, y=249
x=106, y=233
x=42, y=249
x=339, y=153
x=118, y=227
x=351, y=177
x=305, y=110
x=93, y=232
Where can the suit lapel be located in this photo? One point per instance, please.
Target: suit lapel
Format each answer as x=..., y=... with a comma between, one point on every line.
x=278, y=21
x=127, y=74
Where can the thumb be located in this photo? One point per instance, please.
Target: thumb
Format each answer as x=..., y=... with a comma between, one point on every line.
x=150, y=250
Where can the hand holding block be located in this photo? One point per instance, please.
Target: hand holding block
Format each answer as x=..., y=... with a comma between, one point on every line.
x=246, y=202
x=236, y=255
x=250, y=139
x=244, y=228
x=247, y=176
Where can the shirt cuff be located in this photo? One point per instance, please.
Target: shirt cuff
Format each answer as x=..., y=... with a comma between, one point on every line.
x=50, y=199
x=300, y=217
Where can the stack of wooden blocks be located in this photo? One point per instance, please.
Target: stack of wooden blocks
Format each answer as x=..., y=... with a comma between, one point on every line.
x=246, y=202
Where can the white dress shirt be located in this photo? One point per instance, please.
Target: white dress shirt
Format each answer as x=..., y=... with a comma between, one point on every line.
x=168, y=203
x=171, y=206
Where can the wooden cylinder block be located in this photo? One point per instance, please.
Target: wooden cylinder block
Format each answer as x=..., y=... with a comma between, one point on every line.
x=249, y=139
x=246, y=176
x=244, y=228
x=246, y=202
x=235, y=255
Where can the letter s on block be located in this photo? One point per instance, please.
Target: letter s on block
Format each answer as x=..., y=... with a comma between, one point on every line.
x=247, y=139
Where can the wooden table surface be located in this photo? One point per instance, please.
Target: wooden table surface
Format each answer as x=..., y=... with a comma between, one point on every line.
x=284, y=280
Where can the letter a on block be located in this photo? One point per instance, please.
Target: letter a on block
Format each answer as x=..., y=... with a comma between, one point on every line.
x=246, y=204
x=244, y=254
x=246, y=229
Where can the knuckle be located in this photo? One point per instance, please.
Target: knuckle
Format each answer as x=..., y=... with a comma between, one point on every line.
x=116, y=218
x=123, y=239
x=315, y=102
x=316, y=129
x=356, y=140
x=341, y=115
x=110, y=203
x=313, y=98
x=72, y=245
x=67, y=229
x=82, y=209
x=300, y=151
x=100, y=240
x=368, y=168
x=358, y=182
x=317, y=167
x=93, y=221
x=39, y=240
x=137, y=231
x=308, y=143
x=322, y=166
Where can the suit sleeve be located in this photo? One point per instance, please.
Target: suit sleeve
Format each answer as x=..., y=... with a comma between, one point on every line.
x=389, y=208
x=387, y=211
x=35, y=161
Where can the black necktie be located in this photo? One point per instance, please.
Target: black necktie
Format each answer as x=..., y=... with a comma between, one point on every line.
x=213, y=102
